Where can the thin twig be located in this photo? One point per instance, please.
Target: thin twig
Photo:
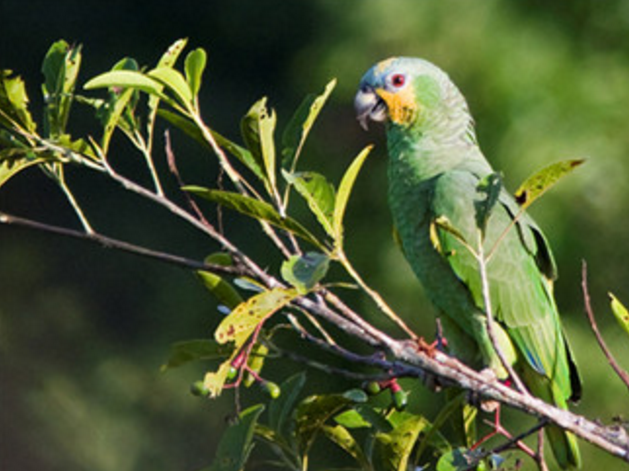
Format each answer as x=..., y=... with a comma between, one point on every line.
x=482, y=267
x=622, y=374
x=172, y=166
x=108, y=242
x=373, y=294
x=514, y=440
x=75, y=205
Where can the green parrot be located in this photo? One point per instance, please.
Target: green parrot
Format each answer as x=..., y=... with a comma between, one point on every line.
x=434, y=170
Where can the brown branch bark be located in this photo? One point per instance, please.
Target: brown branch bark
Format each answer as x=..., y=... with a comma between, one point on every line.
x=111, y=243
x=408, y=360
x=622, y=374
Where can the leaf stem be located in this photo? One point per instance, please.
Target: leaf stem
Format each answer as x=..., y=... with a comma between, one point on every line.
x=374, y=295
x=75, y=205
x=111, y=243
x=622, y=374
x=482, y=267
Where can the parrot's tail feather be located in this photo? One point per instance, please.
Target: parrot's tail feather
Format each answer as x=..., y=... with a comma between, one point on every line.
x=564, y=446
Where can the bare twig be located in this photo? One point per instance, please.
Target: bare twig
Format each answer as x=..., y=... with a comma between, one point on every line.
x=172, y=166
x=513, y=441
x=108, y=242
x=622, y=374
x=373, y=294
x=482, y=266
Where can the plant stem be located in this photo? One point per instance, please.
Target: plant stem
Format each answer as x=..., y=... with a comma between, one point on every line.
x=108, y=242
x=482, y=267
x=380, y=302
x=75, y=205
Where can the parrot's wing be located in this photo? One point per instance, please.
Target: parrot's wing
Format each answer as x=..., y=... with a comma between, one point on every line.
x=519, y=273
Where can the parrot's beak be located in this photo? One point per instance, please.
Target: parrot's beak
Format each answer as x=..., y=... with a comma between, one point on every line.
x=369, y=105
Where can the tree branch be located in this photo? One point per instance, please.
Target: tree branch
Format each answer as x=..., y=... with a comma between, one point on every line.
x=111, y=243
x=622, y=374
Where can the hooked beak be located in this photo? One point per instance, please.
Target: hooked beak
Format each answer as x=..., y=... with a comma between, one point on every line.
x=369, y=105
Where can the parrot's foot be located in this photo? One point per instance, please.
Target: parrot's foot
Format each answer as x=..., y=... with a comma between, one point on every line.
x=430, y=349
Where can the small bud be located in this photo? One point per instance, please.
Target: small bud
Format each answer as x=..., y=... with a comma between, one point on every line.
x=248, y=380
x=400, y=399
x=372, y=388
x=198, y=389
x=232, y=373
x=271, y=388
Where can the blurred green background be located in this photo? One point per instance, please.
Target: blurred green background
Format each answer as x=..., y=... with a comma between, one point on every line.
x=83, y=331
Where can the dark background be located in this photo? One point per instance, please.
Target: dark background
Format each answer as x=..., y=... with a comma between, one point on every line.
x=83, y=331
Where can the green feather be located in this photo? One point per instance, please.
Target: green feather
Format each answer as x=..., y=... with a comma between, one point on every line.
x=435, y=166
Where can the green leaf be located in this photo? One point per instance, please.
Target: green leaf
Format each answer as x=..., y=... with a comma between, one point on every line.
x=256, y=358
x=298, y=128
x=221, y=289
x=119, y=101
x=257, y=129
x=620, y=312
x=175, y=82
x=195, y=350
x=224, y=292
x=281, y=409
x=60, y=68
x=195, y=65
x=352, y=419
x=318, y=193
x=79, y=146
x=314, y=412
x=168, y=59
x=341, y=436
x=14, y=102
x=536, y=185
x=191, y=129
x=237, y=442
x=305, y=271
x=10, y=168
x=127, y=79
x=395, y=448
x=455, y=460
x=253, y=208
x=488, y=189
x=53, y=67
x=344, y=191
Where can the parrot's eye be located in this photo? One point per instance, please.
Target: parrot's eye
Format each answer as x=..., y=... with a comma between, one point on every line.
x=398, y=80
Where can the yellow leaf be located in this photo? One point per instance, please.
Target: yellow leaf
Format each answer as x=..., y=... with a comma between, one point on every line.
x=243, y=320
x=214, y=381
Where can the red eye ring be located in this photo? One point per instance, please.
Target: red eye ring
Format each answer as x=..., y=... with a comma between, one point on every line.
x=398, y=80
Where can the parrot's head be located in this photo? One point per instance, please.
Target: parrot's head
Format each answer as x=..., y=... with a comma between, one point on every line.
x=407, y=92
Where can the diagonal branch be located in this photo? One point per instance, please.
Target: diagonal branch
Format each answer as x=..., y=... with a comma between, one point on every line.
x=111, y=243
x=622, y=374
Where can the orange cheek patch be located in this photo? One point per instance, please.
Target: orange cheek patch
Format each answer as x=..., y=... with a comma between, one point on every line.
x=401, y=105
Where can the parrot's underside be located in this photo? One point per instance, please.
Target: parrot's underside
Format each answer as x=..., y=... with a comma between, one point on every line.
x=435, y=169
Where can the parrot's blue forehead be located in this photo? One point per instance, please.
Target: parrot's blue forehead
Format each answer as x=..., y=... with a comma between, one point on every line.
x=412, y=66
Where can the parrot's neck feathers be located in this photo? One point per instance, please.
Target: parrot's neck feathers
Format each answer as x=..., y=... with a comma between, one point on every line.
x=450, y=122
